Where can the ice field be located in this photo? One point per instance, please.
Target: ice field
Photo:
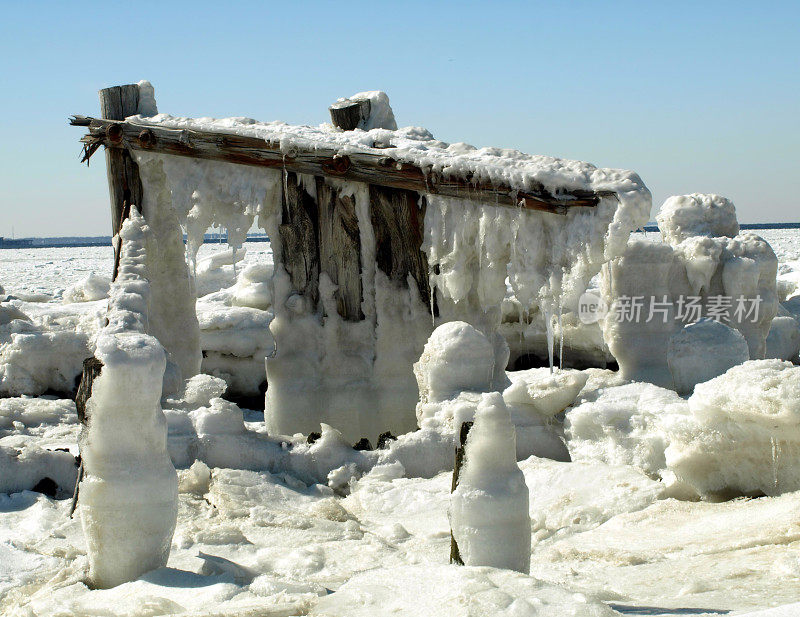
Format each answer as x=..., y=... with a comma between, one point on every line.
x=271, y=525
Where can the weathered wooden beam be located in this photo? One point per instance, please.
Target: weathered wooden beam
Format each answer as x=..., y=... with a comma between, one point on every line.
x=340, y=248
x=397, y=221
x=368, y=167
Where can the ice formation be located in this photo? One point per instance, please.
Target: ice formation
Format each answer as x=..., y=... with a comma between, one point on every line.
x=624, y=425
x=235, y=342
x=703, y=350
x=128, y=496
x=783, y=340
x=489, y=507
x=549, y=259
x=653, y=289
x=745, y=432
x=93, y=287
x=37, y=357
x=685, y=216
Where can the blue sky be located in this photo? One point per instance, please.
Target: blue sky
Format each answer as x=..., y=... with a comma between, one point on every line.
x=695, y=97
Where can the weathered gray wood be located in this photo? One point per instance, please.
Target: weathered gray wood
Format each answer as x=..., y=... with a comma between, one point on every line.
x=299, y=232
x=397, y=220
x=378, y=168
x=348, y=114
x=124, y=184
x=91, y=370
x=340, y=248
x=461, y=442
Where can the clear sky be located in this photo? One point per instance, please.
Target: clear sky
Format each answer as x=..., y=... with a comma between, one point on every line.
x=695, y=97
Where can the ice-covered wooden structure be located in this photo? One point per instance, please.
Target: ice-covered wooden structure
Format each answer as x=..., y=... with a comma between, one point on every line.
x=378, y=234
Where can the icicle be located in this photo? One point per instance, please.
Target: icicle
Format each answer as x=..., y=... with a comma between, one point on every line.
x=548, y=318
x=560, y=336
x=775, y=456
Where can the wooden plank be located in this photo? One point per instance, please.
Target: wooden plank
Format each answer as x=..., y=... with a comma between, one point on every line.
x=299, y=232
x=378, y=168
x=397, y=220
x=340, y=248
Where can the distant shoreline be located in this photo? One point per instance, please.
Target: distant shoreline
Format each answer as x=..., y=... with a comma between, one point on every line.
x=89, y=241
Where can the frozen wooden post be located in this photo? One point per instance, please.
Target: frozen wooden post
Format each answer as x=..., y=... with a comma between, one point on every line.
x=347, y=114
x=455, y=554
x=124, y=185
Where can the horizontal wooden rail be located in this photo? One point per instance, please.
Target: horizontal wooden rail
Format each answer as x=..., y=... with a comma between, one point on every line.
x=371, y=168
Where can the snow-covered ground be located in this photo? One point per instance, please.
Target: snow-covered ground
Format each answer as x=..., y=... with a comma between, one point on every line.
x=277, y=526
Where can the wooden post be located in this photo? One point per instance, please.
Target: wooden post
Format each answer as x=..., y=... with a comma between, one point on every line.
x=455, y=554
x=340, y=248
x=398, y=219
x=348, y=114
x=124, y=185
x=299, y=232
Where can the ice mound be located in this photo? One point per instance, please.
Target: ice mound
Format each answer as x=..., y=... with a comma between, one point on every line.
x=221, y=417
x=443, y=591
x=198, y=392
x=34, y=360
x=624, y=425
x=683, y=216
x=93, y=287
x=18, y=414
x=542, y=393
x=9, y=312
x=456, y=358
x=489, y=507
x=783, y=340
x=744, y=434
x=702, y=351
x=217, y=271
x=24, y=464
x=253, y=287
x=235, y=342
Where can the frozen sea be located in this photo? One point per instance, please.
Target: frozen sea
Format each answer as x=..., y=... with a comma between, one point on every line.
x=279, y=536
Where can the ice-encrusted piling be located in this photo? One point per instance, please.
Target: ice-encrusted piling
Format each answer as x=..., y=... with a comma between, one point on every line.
x=128, y=496
x=129, y=493
x=489, y=514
